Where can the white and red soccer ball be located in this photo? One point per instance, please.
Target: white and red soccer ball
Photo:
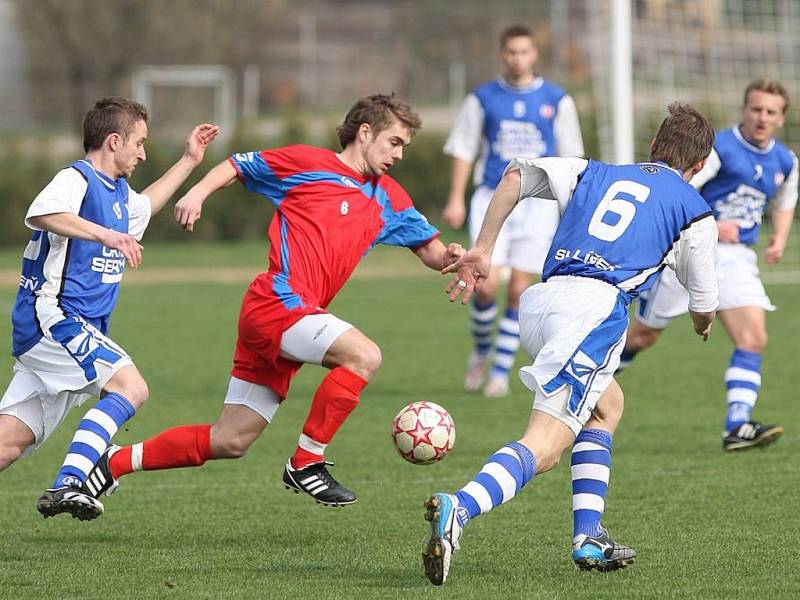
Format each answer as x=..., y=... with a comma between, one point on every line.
x=423, y=433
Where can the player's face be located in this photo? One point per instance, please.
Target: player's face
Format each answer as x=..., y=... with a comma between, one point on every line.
x=130, y=151
x=519, y=55
x=762, y=115
x=386, y=148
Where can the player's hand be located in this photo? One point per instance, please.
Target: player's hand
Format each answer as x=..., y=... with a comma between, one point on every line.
x=728, y=232
x=454, y=212
x=704, y=333
x=188, y=210
x=774, y=252
x=471, y=269
x=124, y=243
x=454, y=252
x=198, y=140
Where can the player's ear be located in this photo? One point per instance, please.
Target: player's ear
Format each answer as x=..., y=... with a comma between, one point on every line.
x=113, y=140
x=364, y=132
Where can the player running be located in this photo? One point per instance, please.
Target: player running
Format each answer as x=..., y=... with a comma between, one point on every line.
x=87, y=225
x=620, y=226
x=331, y=209
x=747, y=171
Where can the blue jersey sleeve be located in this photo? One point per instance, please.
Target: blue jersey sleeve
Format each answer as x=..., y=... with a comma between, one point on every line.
x=257, y=176
x=407, y=228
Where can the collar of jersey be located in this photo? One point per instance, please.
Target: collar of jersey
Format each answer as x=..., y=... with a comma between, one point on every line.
x=659, y=163
x=105, y=179
x=535, y=85
x=748, y=145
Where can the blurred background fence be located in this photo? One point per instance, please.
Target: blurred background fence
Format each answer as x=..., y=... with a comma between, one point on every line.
x=280, y=71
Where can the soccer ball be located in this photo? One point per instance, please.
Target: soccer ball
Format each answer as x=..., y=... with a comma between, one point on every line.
x=423, y=433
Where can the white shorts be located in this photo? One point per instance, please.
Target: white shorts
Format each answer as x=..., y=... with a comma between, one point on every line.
x=739, y=285
x=53, y=377
x=41, y=412
x=574, y=330
x=306, y=341
x=525, y=237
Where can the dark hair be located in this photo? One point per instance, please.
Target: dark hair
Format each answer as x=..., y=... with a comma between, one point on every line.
x=515, y=31
x=378, y=111
x=770, y=86
x=684, y=138
x=111, y=115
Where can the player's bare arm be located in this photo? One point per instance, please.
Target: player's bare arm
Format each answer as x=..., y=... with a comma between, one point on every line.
x=189, y=208
x=473, y=267
x=455, y=211
x=435, y=255
x=71, y=225
x=197, y=141
x=781, y=226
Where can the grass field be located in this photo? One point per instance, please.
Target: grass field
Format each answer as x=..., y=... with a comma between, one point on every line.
x=705, y=524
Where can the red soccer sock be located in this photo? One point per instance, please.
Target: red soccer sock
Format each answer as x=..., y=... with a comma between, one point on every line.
x=335, y=399
x=186, y=446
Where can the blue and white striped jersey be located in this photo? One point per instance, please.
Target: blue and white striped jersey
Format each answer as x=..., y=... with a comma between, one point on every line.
x=622, y=224
x=63, y=276
x=739, y=179
x=500, y=122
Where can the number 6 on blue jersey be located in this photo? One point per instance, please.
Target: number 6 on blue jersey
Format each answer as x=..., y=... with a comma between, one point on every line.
x=613, y=203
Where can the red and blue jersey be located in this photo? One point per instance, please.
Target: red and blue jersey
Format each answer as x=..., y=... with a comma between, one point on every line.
x=328, y=217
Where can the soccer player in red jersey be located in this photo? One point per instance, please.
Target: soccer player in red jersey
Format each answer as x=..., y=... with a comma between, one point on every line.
x=331, y=209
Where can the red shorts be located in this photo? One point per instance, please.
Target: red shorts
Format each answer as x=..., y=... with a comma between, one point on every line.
x=263, y=319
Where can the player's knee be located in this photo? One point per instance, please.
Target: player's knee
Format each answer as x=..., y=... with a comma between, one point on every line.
x=754, y=341
x=137, y=392
x=367, y=359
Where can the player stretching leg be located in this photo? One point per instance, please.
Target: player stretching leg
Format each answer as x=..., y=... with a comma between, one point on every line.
x=87, y=225
x=748, y=170
x=574, y=323
x=519, y=114
x=330, y=210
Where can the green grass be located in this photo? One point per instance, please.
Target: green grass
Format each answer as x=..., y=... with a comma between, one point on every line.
x=705, y=524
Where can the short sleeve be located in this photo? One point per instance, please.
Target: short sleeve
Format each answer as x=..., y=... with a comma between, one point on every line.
x=63, y=194
x=257, y=176
x=551, y=178
x=403, y=224
x=139, y=212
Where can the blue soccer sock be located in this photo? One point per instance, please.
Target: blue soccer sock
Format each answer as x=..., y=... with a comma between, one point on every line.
x=93, y=434
x=482, y=317
x=743, y=381
x=501, y=478
x=591, y=466
x=506, y=344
